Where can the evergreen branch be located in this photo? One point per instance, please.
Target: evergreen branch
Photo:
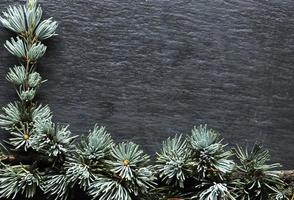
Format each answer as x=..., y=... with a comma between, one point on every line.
x=97, y=145
x=41, y=113
x=215, y=192
x=13, y=115
x=108, y=189
x=14, y=19
x=126, y=159
x=26, y=95
x=202, y=138
x=190, y=165
x=209, y=153
x=36, y=51
x=17, y=75
x=21, y=137
x=18, y=179
x=79, y=172
x=173, y=161
x=17, y=47
x=256, y=179
x=46, y=29
x=34, y=80
x=33, y=14
x=54, y=140
x=56, y=186
x=29, y=51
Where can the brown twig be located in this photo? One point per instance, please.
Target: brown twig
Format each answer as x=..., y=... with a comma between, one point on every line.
x=35, y=160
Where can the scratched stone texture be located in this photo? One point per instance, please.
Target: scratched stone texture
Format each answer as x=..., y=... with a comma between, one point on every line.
x=149, y=69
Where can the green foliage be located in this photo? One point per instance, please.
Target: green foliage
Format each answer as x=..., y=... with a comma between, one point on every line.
x=33, y=14
x=173, y=161
x=14, y=19
x=17, y=75
x=27, y=95
x=186, y=164
x=29, y=124
x=214, y=192
x=17, y=121
x=36, y=51
x=34, y=80
x=18, y=180
x=127, y=158
x=13, y=116
x=19, y=117
x=79, y=172
x=129, y=175
x=16, y=47
x=103, y=169
x=256, y=179
x=209, y=153
x=202, y=138
x=97, y=145
x=193, y=167
x=20, y=49
x=56, y=186
x=50, y=138
x=198, y=167
x=21, y=137
x=27, y=20
x=46, y=29
x=41, y=113
x=108, y=189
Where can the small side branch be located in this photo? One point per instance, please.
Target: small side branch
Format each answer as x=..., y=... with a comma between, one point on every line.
x=34, y=160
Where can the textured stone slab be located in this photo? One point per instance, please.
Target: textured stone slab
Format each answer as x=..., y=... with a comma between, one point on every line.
x=150, y=69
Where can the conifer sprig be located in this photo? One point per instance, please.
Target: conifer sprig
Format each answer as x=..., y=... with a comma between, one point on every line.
x=256, y=178
x=198, y=167
x=26, y=22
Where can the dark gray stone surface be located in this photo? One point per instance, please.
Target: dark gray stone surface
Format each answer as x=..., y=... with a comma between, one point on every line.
x=152, y=68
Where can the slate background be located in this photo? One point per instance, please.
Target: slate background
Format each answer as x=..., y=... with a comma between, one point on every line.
x=149, y=69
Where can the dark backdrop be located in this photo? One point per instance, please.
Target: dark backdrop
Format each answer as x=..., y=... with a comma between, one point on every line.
x=149, y=69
